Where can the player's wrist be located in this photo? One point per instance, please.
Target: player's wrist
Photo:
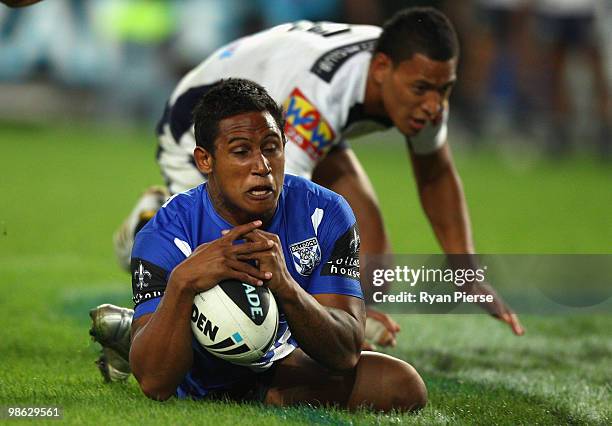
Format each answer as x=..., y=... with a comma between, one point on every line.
x=183, y=285
x=286, y=289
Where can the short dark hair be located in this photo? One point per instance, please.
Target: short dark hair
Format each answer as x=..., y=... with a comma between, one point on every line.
x=225, y=99
x=422, y=30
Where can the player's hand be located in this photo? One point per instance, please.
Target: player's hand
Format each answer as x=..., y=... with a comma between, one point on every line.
x=498, y=309
x=269, y=261
x=218, y=260
x=388, y=335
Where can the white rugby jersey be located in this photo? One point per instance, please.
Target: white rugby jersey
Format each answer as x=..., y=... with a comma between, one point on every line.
x=317, y=71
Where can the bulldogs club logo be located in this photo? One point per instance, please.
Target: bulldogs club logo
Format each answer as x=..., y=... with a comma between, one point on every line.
x=306, y=255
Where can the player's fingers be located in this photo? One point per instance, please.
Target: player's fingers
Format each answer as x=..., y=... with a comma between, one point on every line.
x=244, y=277
x=385, y=319
x=237, y=265
x=255, y=235
x=266, y=234
x=238, y=231
x=367, y=346
x=514, y=322
x=387, y=339
x=393, y=325
x=245, y=257
x=259, y=235
x=251, y=247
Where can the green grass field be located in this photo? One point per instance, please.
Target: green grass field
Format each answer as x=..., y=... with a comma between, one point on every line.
x=65, y=188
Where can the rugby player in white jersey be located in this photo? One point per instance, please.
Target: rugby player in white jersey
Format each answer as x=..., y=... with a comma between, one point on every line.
x=335, y=81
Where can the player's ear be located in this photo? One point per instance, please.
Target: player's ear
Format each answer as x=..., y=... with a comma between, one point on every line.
x=380, y=66
x=203, y=159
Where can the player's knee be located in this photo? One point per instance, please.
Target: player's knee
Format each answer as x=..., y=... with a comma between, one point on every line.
x=409, y=392
x=385, y=383
x=403, y=388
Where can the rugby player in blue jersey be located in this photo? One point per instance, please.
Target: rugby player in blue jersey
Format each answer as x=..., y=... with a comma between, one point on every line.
x=250, y=211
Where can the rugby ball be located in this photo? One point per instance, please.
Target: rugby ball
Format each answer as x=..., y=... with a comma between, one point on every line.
x=235, y=321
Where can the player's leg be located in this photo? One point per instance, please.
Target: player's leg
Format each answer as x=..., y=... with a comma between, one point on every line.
x=379, y=381
x=342, y=172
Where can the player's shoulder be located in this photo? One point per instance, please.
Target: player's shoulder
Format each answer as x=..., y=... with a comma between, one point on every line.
x=185, y=201
x=299, y=187
x=179, y=208
x=303, y=193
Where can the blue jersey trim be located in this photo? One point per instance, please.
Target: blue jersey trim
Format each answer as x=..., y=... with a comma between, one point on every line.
x=145, y=308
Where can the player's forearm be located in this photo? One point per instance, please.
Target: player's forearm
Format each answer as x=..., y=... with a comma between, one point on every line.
x=328, y=335
x=444, y=203
x=161, y=352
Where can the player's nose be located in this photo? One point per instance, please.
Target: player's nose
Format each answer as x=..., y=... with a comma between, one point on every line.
x=261, y=165
x=432, y=105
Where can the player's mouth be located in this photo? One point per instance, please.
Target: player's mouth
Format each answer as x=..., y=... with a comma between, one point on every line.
x=417, y=124
x=260, y=192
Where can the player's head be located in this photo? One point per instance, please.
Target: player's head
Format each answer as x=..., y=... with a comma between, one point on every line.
x=413, y=67
x=423, y=30
x=240, y=146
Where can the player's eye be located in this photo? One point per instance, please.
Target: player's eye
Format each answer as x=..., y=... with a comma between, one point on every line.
x=241, y=152
x=270, y=148
x=419, y=89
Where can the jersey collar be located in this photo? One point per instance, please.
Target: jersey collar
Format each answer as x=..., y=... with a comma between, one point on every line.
x=224, y=224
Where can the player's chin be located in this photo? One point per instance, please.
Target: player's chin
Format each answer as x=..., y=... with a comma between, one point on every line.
x=408, y=130
x=261, y=205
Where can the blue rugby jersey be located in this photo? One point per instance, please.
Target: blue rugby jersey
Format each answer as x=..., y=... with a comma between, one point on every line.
x=320, y=242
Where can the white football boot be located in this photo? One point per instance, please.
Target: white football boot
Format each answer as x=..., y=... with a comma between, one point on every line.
x=111, y=326
x=146, y=207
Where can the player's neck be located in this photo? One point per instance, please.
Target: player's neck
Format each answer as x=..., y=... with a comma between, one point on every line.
x=230, y=213
x=373, y=103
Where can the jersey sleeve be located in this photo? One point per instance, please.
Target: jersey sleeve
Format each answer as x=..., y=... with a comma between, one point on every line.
x=158, y=248
x=338, y=273
x=432, y=137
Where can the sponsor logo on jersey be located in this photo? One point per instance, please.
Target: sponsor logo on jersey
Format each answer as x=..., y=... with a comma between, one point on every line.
x=306, y=256
x=306, y=126
x=326, y=66
x=344, y=260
